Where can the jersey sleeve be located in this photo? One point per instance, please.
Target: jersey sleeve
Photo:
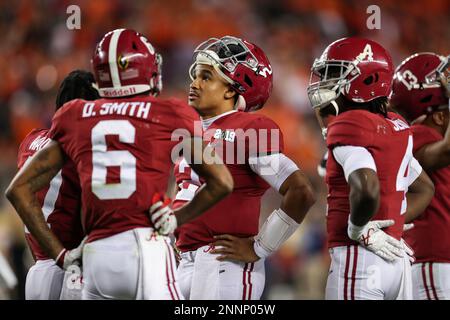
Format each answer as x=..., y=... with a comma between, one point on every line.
x=186, y=119
x=264, y=137
x=21, y=153
x=423, y=135
x=60, y=122
x=351, y=129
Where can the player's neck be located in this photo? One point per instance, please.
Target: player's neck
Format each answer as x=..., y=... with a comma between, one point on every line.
x=212, y=113
x=207, y=122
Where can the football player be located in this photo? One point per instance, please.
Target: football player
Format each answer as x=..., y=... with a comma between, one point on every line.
x=60, y=200
x=369, y=169
x=121, y=145
x=419, y=96
x=231, y=78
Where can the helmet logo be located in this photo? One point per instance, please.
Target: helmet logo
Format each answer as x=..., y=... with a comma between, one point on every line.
x=122, y=62
x=367, y=53
x=264, y=71
x=408, y=79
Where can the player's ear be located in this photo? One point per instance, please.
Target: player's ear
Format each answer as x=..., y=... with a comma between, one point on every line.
x=229, y=93
x=439, y=118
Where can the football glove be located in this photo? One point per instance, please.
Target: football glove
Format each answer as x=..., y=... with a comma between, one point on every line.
x=162, y=216
x=67, y=258
x=373, y=238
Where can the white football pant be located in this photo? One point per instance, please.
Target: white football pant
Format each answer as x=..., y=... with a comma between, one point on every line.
x=135, y=264
x=202, y=277
x=431, y=281
x=359, y=274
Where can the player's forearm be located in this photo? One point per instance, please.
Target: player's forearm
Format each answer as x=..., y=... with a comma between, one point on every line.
x=208, y=195
x=415, y=207
x=298, y=196
x=420, y=193
x=436, y=155
x=363, y=207
x=364, y=196
x=29, y=210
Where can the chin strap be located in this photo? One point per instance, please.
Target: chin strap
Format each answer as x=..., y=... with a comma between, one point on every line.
x=240, y=104
x=335, y=105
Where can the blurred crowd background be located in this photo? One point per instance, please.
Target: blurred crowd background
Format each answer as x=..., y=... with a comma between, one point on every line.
x=37, y=50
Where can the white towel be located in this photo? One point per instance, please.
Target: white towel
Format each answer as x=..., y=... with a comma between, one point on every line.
x=72, y=284
x=157, y=267
x=406, y=286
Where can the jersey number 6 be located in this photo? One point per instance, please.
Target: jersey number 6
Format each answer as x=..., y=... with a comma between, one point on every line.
x=102, y=158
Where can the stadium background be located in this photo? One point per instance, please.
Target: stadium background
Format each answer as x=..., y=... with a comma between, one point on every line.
x=37, y=51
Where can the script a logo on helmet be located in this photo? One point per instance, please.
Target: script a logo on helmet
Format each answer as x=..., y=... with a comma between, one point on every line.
x=367, y=53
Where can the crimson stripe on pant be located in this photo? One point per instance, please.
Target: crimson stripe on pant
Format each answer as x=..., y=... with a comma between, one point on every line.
x=244, y=292
x=424, y=278
x=350, y=273
x=430, y=269
x=250, y=281
x=247, y=281
x=169, y=262
x=355, y=263
x=168, y=280
x=347, y=266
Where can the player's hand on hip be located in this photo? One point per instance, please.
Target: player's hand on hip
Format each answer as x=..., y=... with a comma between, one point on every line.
x=161, y=215
x=233, y=248
x=67, y=258
x=373, y=238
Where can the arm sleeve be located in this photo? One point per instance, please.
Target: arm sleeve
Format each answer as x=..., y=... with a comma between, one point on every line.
x=353, y=158
x=274, y=168
x=415, y=169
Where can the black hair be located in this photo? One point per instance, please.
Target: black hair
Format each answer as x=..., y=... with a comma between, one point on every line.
x=76, y=85
x=378, y=105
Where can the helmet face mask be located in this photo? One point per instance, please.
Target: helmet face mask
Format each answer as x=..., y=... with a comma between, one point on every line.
x=432, y=77
x=241, y=64
x=358, y=69
x=227, y=53
x=330, y=78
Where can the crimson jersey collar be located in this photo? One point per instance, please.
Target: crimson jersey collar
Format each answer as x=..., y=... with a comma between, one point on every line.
x=208, y=122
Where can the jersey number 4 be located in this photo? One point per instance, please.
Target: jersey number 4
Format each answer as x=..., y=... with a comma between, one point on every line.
x=402, y=183
x=102, y=158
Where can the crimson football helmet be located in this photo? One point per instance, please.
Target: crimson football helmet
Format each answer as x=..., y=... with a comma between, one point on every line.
x=359, y=69
x=416, y=89
x=125, y=63
x=240, y=63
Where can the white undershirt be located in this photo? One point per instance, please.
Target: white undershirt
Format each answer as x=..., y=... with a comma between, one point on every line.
x=352, y=158
x=207, y=122
x=273, y=168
